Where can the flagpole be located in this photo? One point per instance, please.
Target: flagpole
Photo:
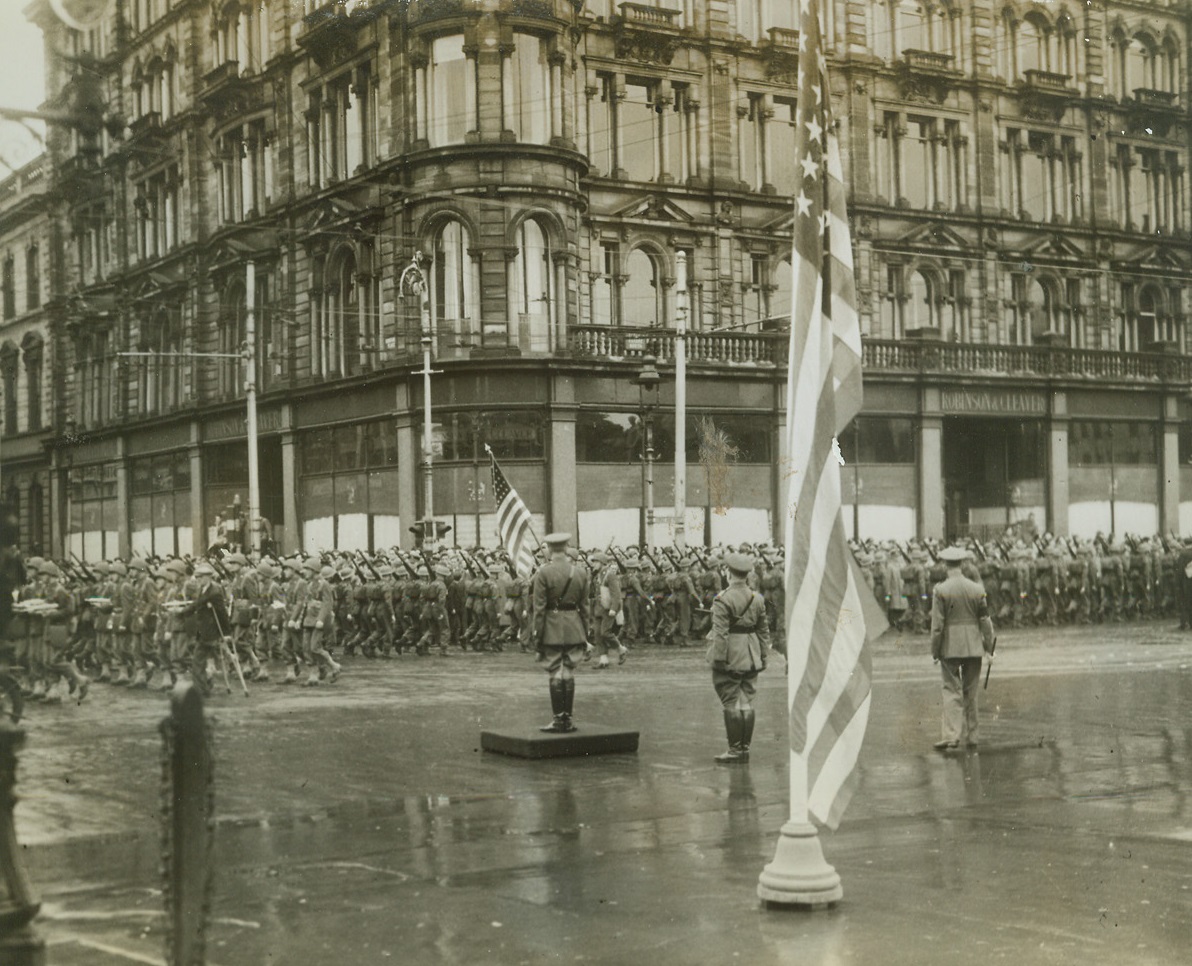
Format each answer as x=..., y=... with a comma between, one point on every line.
x=799, y=875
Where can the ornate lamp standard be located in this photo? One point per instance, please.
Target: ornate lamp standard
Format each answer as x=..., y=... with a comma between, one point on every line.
x=414, y=282
x=647, y=384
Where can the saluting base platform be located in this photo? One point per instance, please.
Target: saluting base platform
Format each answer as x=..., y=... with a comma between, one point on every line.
x=588, y=739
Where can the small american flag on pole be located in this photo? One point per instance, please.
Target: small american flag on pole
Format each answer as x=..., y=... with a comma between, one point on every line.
x=513, y=521
x=828, y=661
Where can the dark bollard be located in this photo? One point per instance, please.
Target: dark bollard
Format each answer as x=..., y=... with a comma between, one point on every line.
x=19, y=944
x=188, y=797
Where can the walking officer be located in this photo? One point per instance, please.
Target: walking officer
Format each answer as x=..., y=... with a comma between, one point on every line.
x=961, y=632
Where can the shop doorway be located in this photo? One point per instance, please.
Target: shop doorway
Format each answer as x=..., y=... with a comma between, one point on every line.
x=995, y=477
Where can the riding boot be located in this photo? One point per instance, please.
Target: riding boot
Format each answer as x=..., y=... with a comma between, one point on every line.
x=558, y=704
x=733, y=724
x=747, y=718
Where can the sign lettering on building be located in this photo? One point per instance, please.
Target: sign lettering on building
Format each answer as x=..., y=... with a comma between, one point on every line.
x=229, y=427
x=993, y=402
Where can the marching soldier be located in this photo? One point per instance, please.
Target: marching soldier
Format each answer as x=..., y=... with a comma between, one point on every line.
x=610, y=599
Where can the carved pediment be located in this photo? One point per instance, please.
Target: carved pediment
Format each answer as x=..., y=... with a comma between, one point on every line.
x=1054, y=246
x=934, y=235
x=1161, y=257
x=655, y=208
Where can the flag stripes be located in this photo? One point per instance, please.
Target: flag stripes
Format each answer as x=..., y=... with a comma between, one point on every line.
x=830, y=676
x=513, y=521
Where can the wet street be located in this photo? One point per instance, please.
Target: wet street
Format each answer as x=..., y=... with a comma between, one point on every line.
x=360, y=823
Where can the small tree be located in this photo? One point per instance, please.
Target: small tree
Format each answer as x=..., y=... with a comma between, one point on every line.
x=716, y=452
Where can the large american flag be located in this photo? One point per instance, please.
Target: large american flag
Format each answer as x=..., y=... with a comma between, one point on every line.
x=828, y=659
x=513, y=521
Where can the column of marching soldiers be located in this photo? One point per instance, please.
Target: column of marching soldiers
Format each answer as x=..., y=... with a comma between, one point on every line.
x=145, y=622
x=1040, y=581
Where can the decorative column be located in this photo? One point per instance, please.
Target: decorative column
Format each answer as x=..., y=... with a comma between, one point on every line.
x=556, y=96
x=564, y=512
x=1169, y=484
x=289, y=482
x=1057, y=481
x=421, y=99
x=198, y=529
x=665, y=174
x=931, y=466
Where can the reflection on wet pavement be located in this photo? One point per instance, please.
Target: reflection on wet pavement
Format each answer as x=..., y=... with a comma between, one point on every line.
x=362, y=823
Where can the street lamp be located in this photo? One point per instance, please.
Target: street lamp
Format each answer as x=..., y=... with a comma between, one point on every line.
x=647, y=383
x=413, y=282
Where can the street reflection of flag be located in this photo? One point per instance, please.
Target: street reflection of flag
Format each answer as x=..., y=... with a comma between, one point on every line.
x=513, y=521
x=829, y=669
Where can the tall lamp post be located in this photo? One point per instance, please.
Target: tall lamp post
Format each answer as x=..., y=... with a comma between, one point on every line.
x=647, y=383
x=413, y=282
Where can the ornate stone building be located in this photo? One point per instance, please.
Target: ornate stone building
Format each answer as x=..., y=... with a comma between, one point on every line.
x=1020, y=226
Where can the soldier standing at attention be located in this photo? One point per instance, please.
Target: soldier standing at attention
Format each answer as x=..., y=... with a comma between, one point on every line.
x=560, y=600
x=738, y=643
x=961, y=632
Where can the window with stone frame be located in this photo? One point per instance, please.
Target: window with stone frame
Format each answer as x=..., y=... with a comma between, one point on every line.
x=8, y=286
x=532, y=103
x=606, y=285
x=1149, y=189
x=32, y=354
x=1042, y=176
x=921, y=162
x=161, y=368
x=231, y=334
x=241, y=35
x=447, y=92
x=8, y=376
x=156, y=206
x=455, y=282
x=643, y=292
x=244, y=172
x=32, y=277
x=93, y=371
x=534, y=283
x=755, y=18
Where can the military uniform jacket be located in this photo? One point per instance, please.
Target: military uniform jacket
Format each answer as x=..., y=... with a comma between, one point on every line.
x=611, y=596
x=210, y=611
x=320, y=603
x=740, y=635
x=560, y=593
x=960, y=624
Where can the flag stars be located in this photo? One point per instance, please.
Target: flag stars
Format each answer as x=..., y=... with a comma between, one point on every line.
x=804, y=204
x=810, y=168
x=814, y=130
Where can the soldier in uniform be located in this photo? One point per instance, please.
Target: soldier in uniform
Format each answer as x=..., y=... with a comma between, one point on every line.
x=609, y=600
x=560, y=598
x=318, y=617
x=961, y=632
x=637, y=601
x=209, y=608
x=737, y=647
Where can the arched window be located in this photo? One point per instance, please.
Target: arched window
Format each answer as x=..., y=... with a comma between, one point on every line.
x=8, y=375
x=456, y=286
x=1169, y=77
x=642, y=301
x=921, y=303
x=230, y=370
x=1147, y=319
x=533, y=286
x=1139, y=68
x=32, y=350
x=1042, y=310
x=1030, y=45
x=911, y=26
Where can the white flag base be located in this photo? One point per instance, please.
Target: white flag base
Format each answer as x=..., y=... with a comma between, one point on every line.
x=799, y=874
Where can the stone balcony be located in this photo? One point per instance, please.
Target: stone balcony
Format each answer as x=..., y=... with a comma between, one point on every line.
x=620, y=343
x=1034, y=362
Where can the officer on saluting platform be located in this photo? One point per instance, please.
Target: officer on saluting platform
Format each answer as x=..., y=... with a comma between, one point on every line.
x=560, y=596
